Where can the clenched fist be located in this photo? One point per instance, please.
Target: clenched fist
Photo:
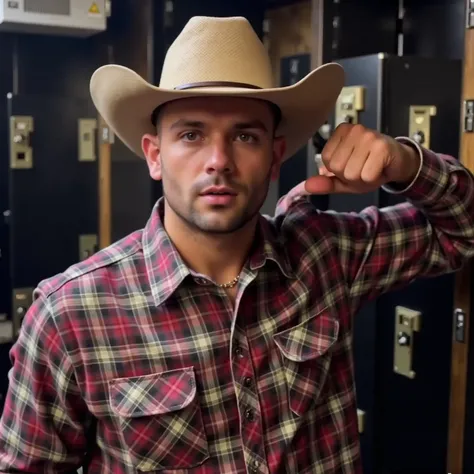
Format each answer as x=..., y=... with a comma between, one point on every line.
x=359, y=160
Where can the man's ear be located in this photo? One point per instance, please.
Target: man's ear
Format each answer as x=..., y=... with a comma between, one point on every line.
x=151, y=150
x=279, y=148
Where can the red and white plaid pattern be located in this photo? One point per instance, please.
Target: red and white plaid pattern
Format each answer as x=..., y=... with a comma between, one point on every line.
x=177, y=381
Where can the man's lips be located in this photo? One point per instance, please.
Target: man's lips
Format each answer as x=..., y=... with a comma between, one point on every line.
x=219, y=195
x=218, y=190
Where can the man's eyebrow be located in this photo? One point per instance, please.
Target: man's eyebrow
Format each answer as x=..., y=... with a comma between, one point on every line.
x=187, y=123
x=251, y=124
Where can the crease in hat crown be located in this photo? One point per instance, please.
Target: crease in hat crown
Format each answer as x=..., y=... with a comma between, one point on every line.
x=217, y=49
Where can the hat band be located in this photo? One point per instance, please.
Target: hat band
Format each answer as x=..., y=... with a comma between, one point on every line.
x=195, y=85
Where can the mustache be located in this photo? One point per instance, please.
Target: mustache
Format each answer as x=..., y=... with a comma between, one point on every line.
x=215, y=181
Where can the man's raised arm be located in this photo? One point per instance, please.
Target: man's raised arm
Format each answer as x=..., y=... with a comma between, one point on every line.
x=380, y=249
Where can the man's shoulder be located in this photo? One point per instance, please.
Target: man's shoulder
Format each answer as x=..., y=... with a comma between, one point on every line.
x=94, y=268
x=297, y=214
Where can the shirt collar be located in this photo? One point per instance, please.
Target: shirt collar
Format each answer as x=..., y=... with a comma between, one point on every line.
x=166, y=269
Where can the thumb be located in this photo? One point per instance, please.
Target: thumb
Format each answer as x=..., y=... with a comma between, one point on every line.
x=326, y=185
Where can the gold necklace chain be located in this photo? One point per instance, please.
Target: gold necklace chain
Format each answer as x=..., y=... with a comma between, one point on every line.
x=230, y=284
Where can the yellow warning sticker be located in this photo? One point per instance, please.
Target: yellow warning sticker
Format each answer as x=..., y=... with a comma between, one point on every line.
x=94, y=9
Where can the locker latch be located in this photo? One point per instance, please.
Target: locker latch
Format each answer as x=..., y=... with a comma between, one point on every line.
x=21, y=301
x=349, y=103
x=87, y=139
x=470, y=14
x=469, y=116
x=88, y=245
x=459, y=325
x=420, y=123
x=407, y=322
x=21, y=151
x=360, y=420
x=6, y=329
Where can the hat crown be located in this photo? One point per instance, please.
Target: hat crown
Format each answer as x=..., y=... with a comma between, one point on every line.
x=211, y=49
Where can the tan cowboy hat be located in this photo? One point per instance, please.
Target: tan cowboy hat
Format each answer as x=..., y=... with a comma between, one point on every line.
x=215, y=56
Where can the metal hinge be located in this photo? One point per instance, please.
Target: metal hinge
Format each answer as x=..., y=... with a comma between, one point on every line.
x=21, y=151
x=469, y=116
x=469, y=14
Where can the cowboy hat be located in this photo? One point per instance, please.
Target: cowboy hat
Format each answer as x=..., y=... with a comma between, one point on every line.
x=215, y=56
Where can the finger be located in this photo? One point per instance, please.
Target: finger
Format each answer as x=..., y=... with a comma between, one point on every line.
x=355, y=164
x=348, y=162
x=323, y=171
x=329, y=149
x=340, y=156
x=352, y=146
x=297, y=191
x=328, y=185
x=339, y=134
x=373, y=168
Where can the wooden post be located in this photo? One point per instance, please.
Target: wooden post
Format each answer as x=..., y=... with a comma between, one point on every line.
x=287, y=38
x=460, y=351
x=317, y=37
x=105, y=178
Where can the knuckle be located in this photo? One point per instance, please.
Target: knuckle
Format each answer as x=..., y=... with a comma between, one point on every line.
x=351, y=175
x=344, y=126
x=356, y=131
x=367, y=175
x=380, y=146
x=370, y=136
x=358, y=128
x=336, y=166
x=325, y=156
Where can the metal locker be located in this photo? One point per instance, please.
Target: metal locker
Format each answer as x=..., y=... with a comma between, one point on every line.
x=50, y=196
x=402, y=341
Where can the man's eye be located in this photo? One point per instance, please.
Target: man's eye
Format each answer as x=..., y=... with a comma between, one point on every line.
x=190, y=136
x=246, y=138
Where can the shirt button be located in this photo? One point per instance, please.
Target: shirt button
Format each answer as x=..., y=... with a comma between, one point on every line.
x=202, y=281
x=248, y=382
x=239, y=352
x=249, y=415
x=254, y=466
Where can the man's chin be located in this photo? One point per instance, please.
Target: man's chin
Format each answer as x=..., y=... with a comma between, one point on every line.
x=220, y=224
x=221, y=228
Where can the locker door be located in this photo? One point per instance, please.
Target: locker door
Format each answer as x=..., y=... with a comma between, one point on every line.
x=413, y=423
x=403, y=392
x=53, y=181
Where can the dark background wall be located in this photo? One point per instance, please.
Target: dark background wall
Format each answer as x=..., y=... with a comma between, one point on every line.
x=139, y=33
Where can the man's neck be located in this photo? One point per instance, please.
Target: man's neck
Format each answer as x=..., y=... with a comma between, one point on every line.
x=218, y=256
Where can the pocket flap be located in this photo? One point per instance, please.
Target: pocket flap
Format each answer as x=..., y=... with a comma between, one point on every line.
x=309, y=339
x=153, y=394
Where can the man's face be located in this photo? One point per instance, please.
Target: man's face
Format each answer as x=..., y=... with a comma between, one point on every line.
x=216, y=157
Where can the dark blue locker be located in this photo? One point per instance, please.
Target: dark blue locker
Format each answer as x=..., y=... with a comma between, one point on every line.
x=406, y=419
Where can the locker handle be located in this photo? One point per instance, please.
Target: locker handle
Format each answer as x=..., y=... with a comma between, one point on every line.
x=407, y=322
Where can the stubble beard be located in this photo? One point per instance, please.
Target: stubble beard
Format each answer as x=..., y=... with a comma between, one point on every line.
x=197, y=222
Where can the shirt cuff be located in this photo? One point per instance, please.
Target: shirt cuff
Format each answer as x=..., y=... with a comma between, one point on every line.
x=396, y=190
x=429, y=184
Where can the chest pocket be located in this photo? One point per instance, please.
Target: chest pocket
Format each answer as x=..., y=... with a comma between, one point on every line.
x=306, y=356
x=160, y=420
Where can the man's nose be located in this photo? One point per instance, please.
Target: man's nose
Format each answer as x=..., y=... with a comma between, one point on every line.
x=220, y=159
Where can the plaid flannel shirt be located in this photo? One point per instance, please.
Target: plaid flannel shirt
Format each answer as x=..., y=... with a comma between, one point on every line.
x=148, y=363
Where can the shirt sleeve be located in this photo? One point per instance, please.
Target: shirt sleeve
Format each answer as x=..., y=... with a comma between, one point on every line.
x=43, y=423
x=378, y=250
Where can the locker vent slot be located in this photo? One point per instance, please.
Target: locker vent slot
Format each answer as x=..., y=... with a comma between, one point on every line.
x=48, y=7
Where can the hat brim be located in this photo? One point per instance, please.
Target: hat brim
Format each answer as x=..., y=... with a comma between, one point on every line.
x=126, y=102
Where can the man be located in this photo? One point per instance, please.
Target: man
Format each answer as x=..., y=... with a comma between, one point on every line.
x=216, y=340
